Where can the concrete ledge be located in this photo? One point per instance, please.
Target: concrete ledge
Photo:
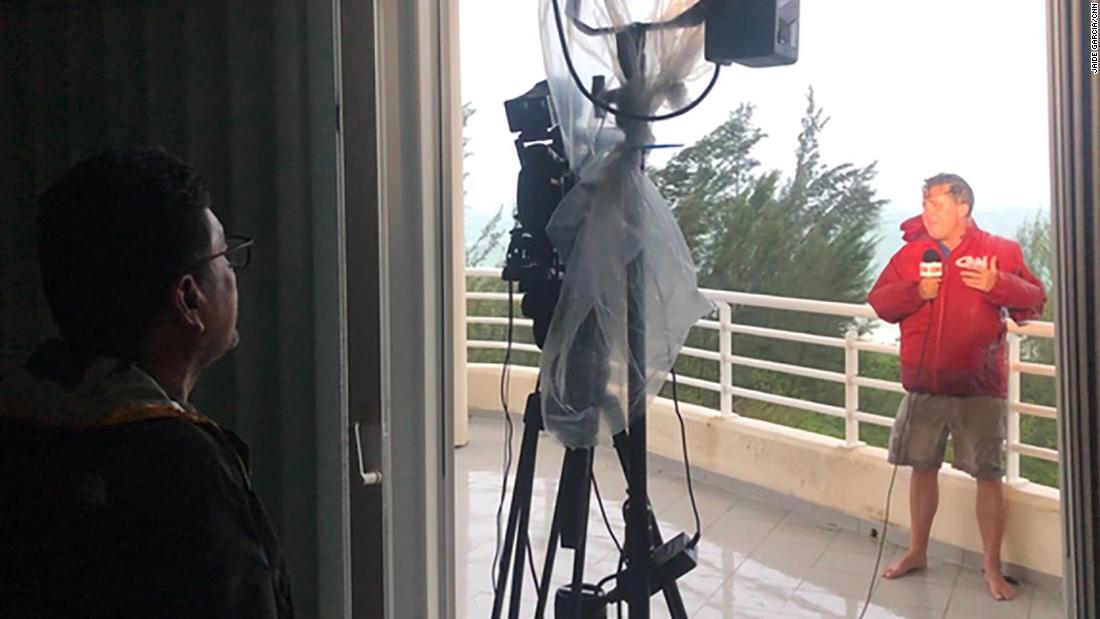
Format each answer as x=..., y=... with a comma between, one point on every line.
x=821, y=476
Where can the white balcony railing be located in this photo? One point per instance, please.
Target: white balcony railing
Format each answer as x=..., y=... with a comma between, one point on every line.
x=851, y=343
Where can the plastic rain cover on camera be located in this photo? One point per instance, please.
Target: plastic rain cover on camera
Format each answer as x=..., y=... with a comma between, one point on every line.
x=626, y=261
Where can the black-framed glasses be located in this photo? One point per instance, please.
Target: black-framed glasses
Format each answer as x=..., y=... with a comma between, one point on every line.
x=238, y=252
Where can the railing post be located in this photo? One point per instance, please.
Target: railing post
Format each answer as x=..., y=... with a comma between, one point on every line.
x=725, y=351
x=1013, y=421
x=851, y=389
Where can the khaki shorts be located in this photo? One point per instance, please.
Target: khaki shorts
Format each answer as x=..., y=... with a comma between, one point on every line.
x=977, y=426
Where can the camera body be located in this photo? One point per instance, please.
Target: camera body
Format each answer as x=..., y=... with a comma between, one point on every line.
x=544, y=179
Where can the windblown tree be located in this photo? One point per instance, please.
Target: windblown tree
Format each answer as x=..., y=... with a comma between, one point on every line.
x=1034, y=238
x=807, y=235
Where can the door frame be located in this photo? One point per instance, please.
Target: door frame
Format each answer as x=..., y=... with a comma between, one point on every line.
x=397, y=146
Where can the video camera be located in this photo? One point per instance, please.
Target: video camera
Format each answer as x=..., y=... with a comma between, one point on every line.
x=544, y=179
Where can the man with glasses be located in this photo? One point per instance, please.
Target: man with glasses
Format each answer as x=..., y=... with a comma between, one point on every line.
x=117, y=497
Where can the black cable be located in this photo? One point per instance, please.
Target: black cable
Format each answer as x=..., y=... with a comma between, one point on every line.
x=893, y=478
x=687, y=465
x=508, y=433
x=691, y=493
x=691, y=490
x=618, y=546
x=606, y=579
x=606, y=520
x=616, y=111
x=611, y=531
x=619, y=602
x=622, y=554
x=882, y=538
x=620, y=571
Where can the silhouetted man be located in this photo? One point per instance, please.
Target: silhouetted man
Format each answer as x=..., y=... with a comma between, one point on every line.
x=117, y=497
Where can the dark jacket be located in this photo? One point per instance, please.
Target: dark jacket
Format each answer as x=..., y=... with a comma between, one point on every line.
x=116, y=501
x=955, y=344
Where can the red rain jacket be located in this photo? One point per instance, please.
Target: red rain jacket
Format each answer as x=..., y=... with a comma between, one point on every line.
x=955, y=344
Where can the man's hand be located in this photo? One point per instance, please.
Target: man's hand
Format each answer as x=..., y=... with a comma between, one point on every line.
x=929, y=288
x=981, y=279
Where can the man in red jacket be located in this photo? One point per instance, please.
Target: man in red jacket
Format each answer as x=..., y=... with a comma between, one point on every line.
x=953, y=362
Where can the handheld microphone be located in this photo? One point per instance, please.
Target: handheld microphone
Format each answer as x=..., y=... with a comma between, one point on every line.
x=931, y=264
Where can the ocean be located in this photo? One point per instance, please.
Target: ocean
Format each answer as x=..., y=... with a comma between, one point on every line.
x=1004, y=221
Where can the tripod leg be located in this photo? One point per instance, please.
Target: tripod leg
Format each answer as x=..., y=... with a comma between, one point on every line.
x=582, y=529
x=551, y=547
x=528, y=469
x=671, y=590
x=674, y=601
x=520, y=557
x=548, y=565
x=638, y=547
x=519, y=510
x=505, y=559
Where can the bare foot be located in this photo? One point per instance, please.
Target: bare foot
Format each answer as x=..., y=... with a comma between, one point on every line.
x=998, y=586
x=907, y=564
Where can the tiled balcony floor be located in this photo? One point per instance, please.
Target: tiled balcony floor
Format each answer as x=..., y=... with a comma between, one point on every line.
x=754, y=560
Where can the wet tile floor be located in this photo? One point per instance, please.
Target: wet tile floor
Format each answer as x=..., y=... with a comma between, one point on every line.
x=755, y=560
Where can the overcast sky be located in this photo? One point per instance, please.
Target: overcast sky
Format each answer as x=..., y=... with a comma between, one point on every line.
x=941, y=85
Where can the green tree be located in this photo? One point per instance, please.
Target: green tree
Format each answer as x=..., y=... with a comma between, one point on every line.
x=488, y=242
x=1034, y=238
x=810, y=236
x=752, y=230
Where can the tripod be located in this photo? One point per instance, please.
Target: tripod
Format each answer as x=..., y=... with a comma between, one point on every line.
x=570, y=527
x=651, y=565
